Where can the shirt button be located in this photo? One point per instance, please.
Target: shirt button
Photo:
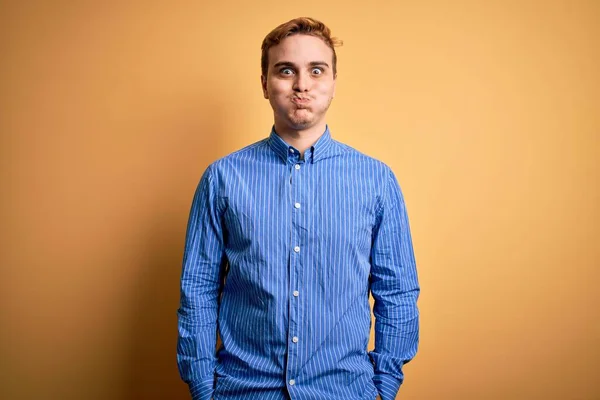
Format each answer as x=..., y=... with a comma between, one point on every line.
x=296, y=293
x=292, y=382
x=295, y=339
x=297, y=249
x=297, y=166
x=297, y=205
x=291, y=150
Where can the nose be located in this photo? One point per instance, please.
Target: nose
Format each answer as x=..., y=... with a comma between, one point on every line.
x=302, y=82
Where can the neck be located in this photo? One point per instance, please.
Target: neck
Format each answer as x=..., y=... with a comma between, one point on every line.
x=301, y=139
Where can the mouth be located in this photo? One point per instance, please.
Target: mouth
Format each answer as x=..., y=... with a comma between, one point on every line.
x=300, y=100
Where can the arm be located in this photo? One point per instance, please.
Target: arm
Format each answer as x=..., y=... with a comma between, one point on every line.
x=395, y=289
x=203, y=259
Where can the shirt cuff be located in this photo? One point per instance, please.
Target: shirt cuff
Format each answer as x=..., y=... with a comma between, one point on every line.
x=387, y=386
x=202, y=389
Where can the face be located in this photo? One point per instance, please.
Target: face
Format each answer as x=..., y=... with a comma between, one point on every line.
x=300, y=83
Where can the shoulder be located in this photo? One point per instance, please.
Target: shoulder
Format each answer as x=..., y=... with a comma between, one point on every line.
x=225, y=164
x=357, y=157
x=241, y=154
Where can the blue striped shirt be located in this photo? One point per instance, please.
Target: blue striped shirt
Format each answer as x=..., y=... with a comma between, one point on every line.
x=280, y=255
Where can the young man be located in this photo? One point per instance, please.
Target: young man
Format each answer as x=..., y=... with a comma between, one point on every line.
x=285, y=239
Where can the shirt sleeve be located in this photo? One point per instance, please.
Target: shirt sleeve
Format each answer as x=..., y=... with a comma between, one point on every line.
x=395, y=289
x=203, y=263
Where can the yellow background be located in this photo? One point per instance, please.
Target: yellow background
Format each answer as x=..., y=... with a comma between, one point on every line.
x=488, y=112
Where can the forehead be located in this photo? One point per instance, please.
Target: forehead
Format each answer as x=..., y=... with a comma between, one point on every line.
x=301, y=49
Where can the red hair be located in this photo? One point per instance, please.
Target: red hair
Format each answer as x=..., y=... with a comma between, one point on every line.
x=303, y=26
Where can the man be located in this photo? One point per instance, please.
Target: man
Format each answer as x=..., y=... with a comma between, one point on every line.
x=285, y=239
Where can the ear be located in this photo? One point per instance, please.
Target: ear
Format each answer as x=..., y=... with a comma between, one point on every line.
x=334, y=82
x=263, y=83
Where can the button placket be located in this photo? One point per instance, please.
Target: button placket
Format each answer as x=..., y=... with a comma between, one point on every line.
x=297, y=258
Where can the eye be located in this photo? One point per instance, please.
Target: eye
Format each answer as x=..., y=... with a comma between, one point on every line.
x=286, y=71
x=317, y=71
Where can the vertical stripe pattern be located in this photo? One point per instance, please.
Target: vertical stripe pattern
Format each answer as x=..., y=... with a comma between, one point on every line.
x=280, y=255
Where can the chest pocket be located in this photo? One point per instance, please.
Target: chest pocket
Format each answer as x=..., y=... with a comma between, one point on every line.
x=347, y=217
x=239, y=225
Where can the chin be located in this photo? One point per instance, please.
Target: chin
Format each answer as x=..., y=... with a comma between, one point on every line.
x=301, y=122
x=304, y=122
x=299, y=126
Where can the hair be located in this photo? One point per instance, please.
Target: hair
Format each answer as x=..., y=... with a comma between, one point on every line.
x=298, y=26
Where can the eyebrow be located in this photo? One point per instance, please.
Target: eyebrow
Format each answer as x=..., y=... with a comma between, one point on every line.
x=291, y=64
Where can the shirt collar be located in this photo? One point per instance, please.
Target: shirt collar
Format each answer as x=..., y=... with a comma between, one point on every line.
x=325, y=147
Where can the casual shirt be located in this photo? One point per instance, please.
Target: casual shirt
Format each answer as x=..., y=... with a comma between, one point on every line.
x=281, y=253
